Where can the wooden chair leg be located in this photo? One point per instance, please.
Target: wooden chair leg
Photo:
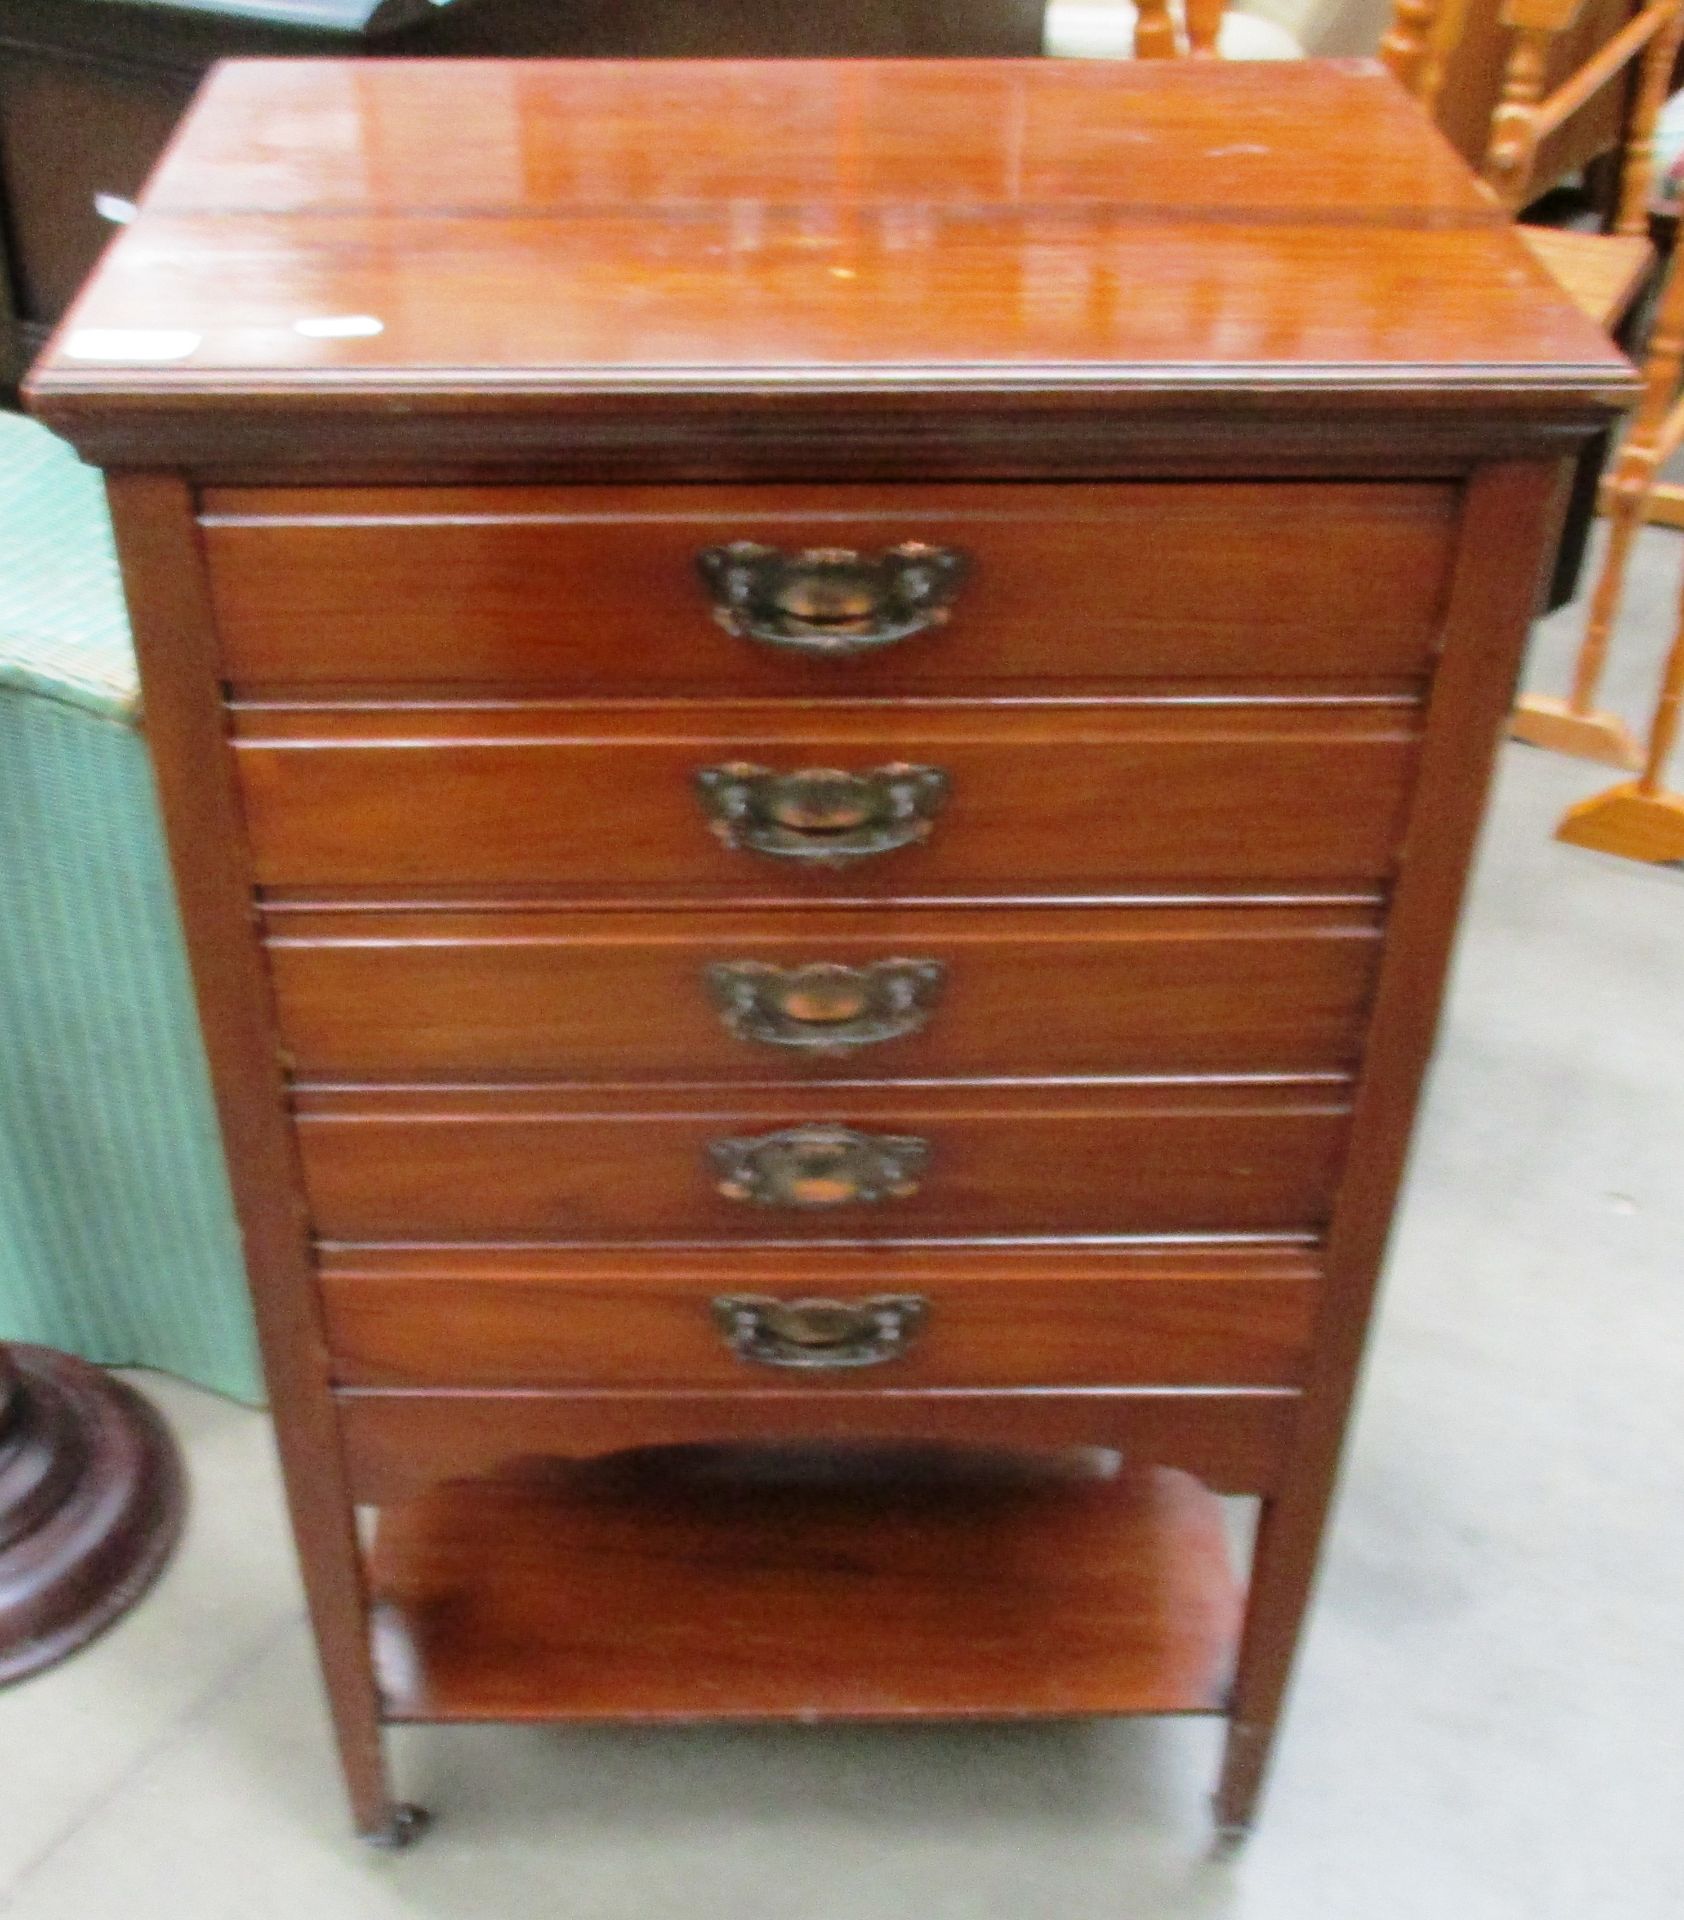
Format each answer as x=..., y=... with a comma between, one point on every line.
x=1640, y=819
x=1665, y=506
x=1576, y=725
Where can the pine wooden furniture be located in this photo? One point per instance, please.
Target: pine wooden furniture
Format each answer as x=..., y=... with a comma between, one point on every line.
x=1577, y=725
x=1642, y=819
x=1472, y=42
x=821, y=725
x=1603, y=273
x=1166, y=32
x=1581, y=82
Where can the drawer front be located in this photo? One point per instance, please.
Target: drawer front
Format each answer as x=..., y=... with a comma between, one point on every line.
x=824, y=994
x=600, y=588
x=1083, y=800
x=864, y=1164
x=752, y=1318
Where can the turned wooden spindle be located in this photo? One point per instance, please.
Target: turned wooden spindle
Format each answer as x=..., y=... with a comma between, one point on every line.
x=1408, y=48
x=90, y=1504
x=1641, y=819
x=1155, y=36
x=1577, y=725
x=1204, y=26
x=1514, y=130
x=1654, y=77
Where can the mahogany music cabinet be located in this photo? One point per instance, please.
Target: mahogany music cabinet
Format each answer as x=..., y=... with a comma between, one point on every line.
x=821, y=726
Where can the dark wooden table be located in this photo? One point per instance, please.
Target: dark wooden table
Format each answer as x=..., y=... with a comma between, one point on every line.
x=90, y=89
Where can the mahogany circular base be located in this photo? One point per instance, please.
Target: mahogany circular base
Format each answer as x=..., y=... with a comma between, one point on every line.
x=91, y=1503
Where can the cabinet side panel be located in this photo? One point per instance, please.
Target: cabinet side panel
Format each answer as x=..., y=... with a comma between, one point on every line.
x=164, y=580
x=1510, y=514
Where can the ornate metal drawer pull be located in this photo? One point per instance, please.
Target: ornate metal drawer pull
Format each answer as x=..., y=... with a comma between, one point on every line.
x=819, y=1333
x=830, y=601
x=819, y=1166
x=824, y=1005
x=821, y=813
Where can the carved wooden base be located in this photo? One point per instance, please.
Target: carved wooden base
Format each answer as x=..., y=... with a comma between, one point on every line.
x=1627, y=821
x=1542, y=722
x=91, y=1502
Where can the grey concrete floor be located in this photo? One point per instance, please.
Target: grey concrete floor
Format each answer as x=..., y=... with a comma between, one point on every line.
x=1489, y=1720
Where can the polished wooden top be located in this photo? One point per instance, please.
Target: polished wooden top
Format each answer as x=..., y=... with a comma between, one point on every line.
x=1135, y=233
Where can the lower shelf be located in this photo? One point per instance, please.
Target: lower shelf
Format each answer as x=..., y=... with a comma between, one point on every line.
x=701, y=1584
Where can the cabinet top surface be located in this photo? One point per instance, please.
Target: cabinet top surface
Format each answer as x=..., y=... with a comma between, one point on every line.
x=369, y=229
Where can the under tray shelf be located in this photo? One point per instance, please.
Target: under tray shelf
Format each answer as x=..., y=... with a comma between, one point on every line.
x=698, y=1585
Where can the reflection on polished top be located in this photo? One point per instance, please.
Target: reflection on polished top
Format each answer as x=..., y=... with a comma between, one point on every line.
x=390, y=226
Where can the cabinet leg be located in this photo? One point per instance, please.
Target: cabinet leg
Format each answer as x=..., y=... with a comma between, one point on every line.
x=1244, y=1761
x=1282, y=1568
x=330, y=1558
x=362, y=1764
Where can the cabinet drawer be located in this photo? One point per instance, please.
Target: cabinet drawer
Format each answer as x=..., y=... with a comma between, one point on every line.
x=1083, y=800
x=599, y=588
x=536, y=1318
x=842, y=1165
x=821, y=993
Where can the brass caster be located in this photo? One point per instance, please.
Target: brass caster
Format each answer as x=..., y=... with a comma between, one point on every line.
x=405, y=1826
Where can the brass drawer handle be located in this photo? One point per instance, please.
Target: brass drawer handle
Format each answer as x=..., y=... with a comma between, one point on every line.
x=821, y=813
x=818, y=1166
x=830, y=602
x=819, y=1333
x=824, y=1006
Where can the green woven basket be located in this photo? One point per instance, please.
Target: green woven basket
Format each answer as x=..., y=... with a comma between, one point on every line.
x=117, y=1238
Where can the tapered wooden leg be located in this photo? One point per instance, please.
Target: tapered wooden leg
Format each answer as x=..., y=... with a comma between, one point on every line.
x=169, y=609
x=330, y=1558
x=1281, y=1571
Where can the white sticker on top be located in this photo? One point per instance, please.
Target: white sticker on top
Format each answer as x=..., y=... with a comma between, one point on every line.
x=128, y=344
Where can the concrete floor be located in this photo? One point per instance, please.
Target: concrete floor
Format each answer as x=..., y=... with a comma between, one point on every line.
x=1489, y=1722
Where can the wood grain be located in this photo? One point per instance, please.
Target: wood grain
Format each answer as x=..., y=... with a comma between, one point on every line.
x=399, y=1442
x=395, y=995
x=995, y=241
x=1197, y=773
x=597, y=588
x=722, y=1588
x=1505, y=546
x=92, y=1499
x=603, y=1166
x=505, y=1317
x=1046, y=799
x=163, y=579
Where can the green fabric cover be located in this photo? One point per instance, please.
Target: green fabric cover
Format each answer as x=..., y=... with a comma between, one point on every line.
x=117, y=1237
